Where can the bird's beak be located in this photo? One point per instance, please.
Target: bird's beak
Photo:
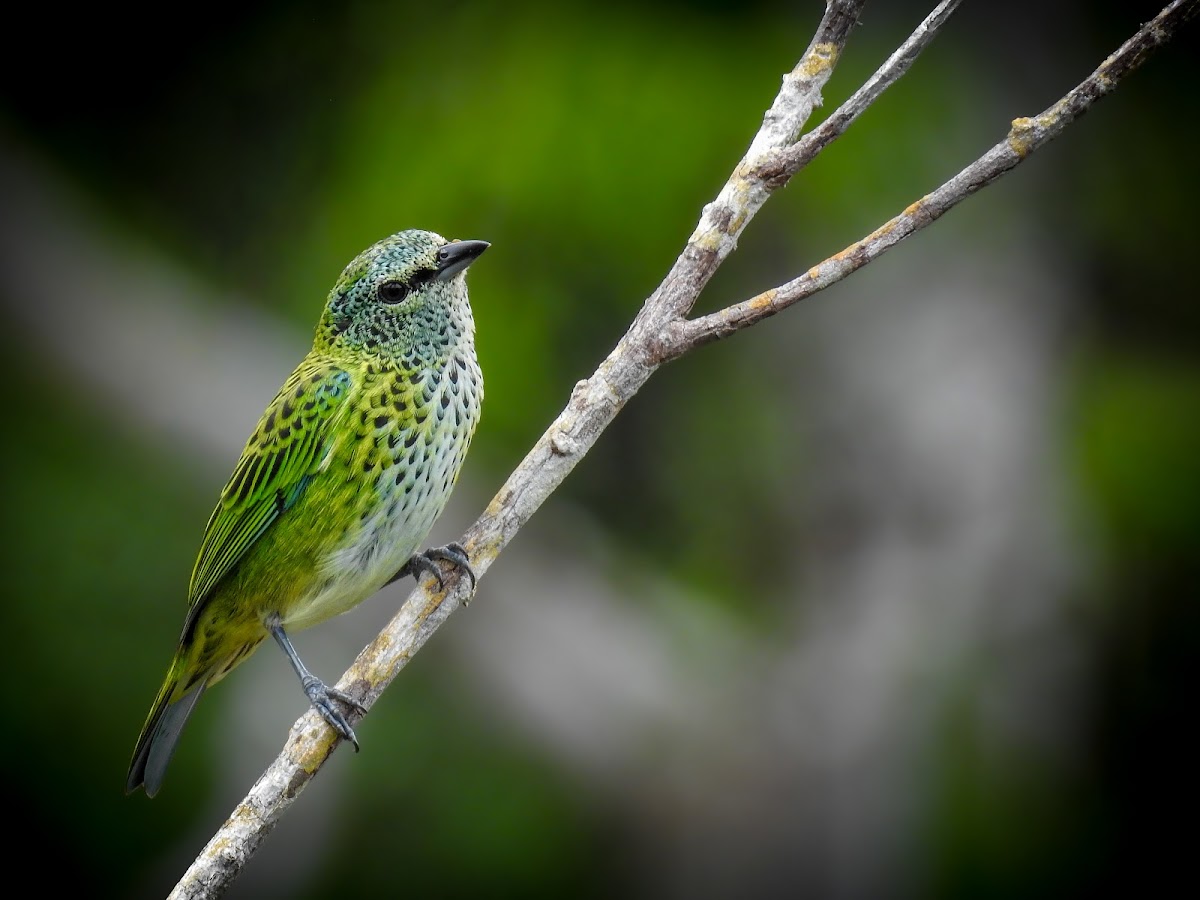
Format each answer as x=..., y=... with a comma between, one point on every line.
x=456, y=256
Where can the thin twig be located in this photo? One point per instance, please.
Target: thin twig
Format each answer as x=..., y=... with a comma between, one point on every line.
x=723, y=220
x=1025, y=136
x=783, y=164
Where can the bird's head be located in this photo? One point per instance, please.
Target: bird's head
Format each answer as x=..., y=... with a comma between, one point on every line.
x=404, y=297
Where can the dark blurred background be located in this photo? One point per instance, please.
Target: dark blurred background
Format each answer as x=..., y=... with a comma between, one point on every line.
x=894, y=595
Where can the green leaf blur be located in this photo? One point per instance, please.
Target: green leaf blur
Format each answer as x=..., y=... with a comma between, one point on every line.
x=260, y=148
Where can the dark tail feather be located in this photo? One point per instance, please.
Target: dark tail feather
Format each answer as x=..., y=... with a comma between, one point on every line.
x=157, y=743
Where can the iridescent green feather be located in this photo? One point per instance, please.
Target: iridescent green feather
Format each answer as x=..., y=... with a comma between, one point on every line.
x=293, y=440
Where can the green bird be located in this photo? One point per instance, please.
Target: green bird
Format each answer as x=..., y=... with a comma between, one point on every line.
x=340, y=482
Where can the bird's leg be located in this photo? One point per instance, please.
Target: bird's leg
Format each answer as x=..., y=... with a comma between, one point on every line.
x=320, y=695
x=423, y=564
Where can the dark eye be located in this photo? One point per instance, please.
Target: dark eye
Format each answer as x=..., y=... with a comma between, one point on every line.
x=393, y=291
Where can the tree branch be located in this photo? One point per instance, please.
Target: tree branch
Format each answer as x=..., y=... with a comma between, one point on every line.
x=783, y=164
x=1025, y=136
x=659, y=332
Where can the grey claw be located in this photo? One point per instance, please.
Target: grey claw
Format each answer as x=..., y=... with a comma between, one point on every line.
x=424, y=563
x=455, y=554
x=322, y=697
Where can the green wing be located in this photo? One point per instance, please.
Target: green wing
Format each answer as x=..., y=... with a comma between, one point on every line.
x=290, y=446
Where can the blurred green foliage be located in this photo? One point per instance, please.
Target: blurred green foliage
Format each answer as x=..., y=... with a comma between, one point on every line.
x=264, y=146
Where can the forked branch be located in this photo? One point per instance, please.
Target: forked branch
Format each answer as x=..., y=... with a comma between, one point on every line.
x=1025, y=136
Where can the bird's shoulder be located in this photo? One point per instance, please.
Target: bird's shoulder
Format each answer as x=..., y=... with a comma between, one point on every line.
x=288, y=440
x=292, y=442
